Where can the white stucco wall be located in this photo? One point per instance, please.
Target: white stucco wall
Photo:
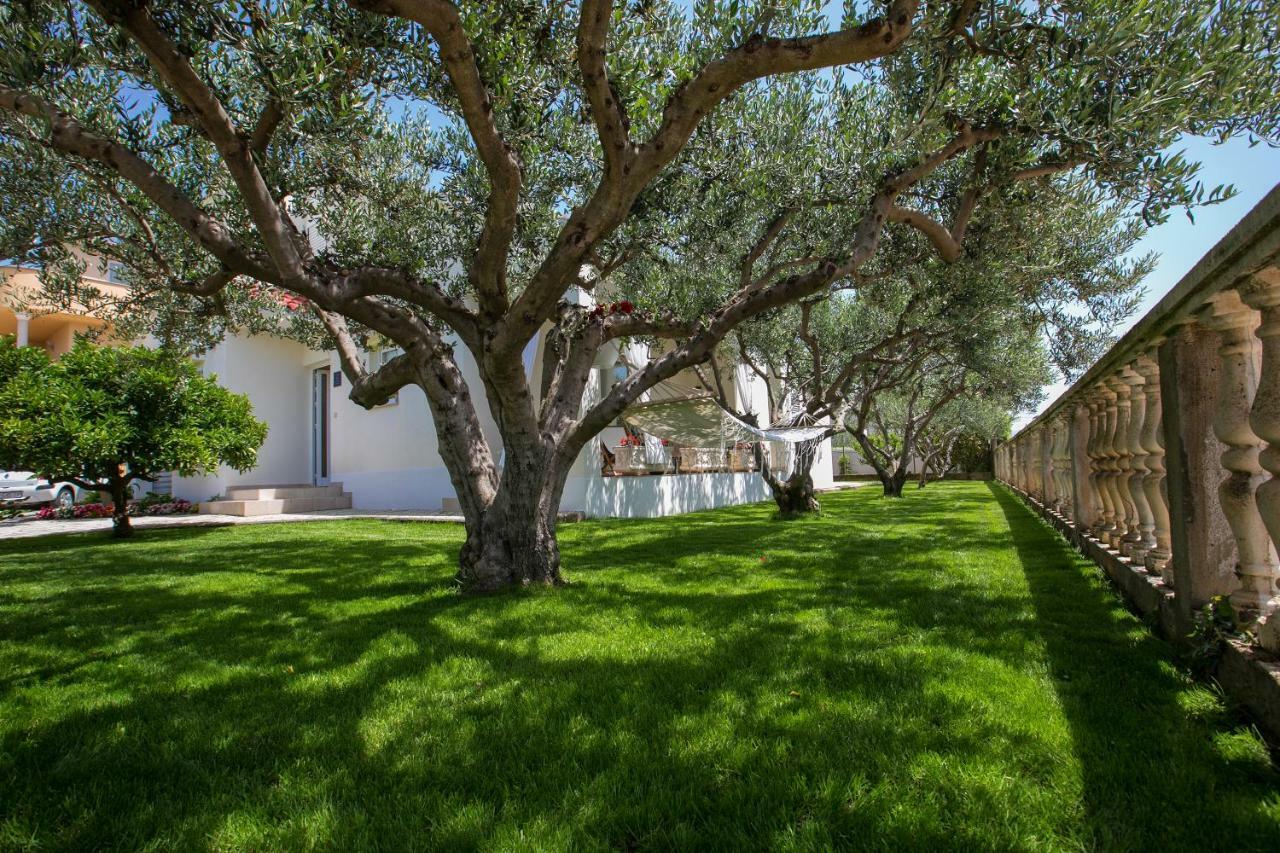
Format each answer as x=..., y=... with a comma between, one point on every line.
x=655, y=496
x=857, y=467
x=387, y=457
x=273, y=372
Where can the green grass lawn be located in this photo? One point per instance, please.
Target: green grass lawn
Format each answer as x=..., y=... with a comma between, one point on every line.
x=937, y=672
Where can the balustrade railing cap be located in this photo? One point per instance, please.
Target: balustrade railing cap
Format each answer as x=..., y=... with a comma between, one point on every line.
x=1252, y=245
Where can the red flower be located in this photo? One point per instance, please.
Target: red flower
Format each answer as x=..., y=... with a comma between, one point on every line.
x=626, y=307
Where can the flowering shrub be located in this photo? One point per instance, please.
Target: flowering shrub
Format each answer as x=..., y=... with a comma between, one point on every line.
x=631, y=441
x=174, y=507
x=95, y=510
x=166, y=506
x=626, y=306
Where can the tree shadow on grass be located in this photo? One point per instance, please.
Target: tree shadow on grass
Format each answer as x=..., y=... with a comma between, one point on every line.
x=1165, y=767
x=321, y=686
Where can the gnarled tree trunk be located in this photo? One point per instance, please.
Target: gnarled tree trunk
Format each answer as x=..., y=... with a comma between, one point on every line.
x=893, y=482
x=891, y=478
x=513, y=542
x=121, y=527
x=795, y=496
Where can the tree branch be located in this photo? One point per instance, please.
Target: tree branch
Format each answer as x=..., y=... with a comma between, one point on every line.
x=281, y=239
x=68, y=136
x=272, y=114
x=442, y=20
x=606, y=111
x=608, y=205
x=762, y=245
x=210, y=285
x=666, y=325
x=381, y=281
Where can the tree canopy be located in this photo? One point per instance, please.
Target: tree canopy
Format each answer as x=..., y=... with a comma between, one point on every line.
x=102, y=417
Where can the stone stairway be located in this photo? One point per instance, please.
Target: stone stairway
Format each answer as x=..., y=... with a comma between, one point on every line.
x=274, y=500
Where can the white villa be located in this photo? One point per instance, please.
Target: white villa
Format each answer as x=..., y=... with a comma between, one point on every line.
x=386, y=458
x=331, y=453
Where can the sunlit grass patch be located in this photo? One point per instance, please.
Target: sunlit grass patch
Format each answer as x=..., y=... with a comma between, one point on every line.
x=937, y=672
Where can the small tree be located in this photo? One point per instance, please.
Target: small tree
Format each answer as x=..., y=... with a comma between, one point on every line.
x=103, y=417
x=959, y=438
x=983, y=368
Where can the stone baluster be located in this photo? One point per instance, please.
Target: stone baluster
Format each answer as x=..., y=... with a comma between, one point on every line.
x=1156, y=542
x=1048, y=489
x=1126, y=516
x=1028, y=466
x=1255, y=555
x=1113, y=516
x=1143, y=530
x=1024, y=464
x=1082, y=509
x=1033, y=471
x=1062, y=466
x=1104, y=513
x=1019, y=465
x=1263, y=294
x=1054, y=467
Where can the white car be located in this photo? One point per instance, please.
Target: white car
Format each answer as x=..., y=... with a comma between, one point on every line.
x=24, y=488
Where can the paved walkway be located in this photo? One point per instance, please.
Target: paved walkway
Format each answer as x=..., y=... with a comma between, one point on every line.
x=29, y=527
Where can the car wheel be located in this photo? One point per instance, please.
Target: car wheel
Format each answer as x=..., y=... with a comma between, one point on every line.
x=65, y=499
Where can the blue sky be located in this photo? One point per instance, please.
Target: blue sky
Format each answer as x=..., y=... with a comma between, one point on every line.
x=1179, y=242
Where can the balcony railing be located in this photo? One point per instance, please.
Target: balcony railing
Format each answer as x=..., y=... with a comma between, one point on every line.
x=1166, y=453
x=640, y=460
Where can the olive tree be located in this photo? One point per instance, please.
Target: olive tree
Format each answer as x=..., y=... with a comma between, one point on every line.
x=102, y=417
x=444, y=174
x=1060, y=269
x=967, y=424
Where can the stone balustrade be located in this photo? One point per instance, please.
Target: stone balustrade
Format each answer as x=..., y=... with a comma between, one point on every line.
x=1164, y=458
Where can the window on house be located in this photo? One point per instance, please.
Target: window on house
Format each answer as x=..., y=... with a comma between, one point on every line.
x=382, y=358
x=115, y=272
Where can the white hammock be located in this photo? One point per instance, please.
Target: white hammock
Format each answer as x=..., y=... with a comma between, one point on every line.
x=700, y=420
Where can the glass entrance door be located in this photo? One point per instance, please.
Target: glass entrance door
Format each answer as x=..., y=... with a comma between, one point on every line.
x=320, y=426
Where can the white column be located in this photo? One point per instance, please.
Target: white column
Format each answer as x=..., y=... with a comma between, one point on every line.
x=24, y=329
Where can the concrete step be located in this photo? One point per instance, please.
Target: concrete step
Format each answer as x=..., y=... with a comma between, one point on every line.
x=276, y=506
x=450, y=505
x=282, y=492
